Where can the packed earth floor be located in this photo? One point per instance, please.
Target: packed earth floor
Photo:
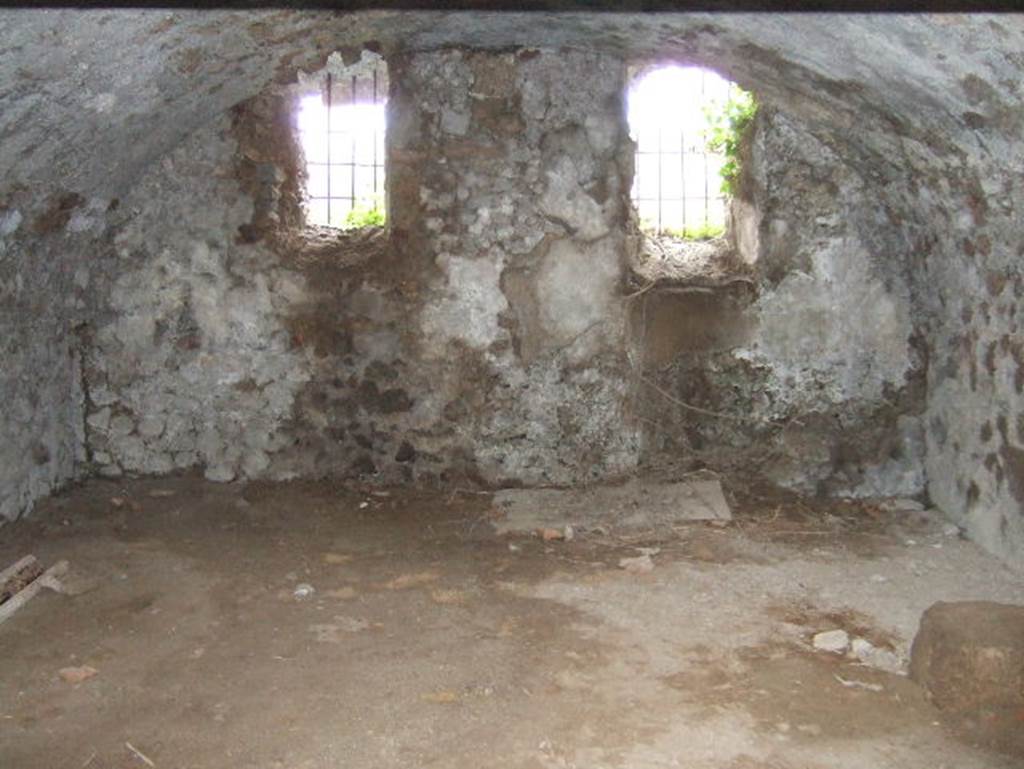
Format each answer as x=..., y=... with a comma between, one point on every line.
x=316, y=625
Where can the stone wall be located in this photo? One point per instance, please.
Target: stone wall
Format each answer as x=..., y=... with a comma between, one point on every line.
x=484, y=337
x=801, y=359
x=45, y=241
x=972, y=282
x=490, y=334
x=923, y=112
x=190, y=363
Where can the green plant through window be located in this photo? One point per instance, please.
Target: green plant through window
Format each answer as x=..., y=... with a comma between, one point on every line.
x=365, y=214
x=727, y=127
x=342, y=129
x=696, y=232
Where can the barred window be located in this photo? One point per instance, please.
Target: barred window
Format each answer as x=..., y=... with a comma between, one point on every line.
x=342, y=131
x=677, y=183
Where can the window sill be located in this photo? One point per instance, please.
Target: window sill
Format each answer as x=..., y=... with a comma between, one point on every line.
x=667, y=261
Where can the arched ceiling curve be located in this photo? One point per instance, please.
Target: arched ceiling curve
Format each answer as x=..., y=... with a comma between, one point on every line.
x=89, y=99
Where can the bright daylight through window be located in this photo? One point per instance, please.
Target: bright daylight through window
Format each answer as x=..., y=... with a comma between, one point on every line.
x=684, y=121
x=341, y=128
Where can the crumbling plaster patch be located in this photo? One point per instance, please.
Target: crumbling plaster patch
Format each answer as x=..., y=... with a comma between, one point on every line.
x=494, y=194
x=467, y=311
x=836, y=327
x=812, y=369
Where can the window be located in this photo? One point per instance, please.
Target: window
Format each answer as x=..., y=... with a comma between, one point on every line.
x=677, y=183
x=341, y=124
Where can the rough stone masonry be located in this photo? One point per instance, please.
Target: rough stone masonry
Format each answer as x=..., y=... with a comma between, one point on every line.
x=162, y=309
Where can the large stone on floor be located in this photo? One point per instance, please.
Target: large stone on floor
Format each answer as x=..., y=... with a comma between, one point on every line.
x=636, y=504
x=969, y=655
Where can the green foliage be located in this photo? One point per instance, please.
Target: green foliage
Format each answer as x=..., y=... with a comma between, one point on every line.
x=727, y=125
x=365, y=214
x=705, y=231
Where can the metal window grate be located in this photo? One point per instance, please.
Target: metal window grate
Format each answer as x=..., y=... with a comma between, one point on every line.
x=345, y=161
x=677, y=181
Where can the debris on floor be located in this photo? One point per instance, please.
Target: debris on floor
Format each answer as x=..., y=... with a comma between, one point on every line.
x=633, y=505
x=835, y=641
x=22, y=581
x=406, y=581
x=873, y=657
x=901, y=505
x=333, y=632
x=140, y=755
x=336, y=559
x=443, y=697
x=346, y=593
x=303, y=590
x=19, y=576
x=853, y=684
x=641, y=564
x=76, y=675
x=449, y=597
x=437, y=638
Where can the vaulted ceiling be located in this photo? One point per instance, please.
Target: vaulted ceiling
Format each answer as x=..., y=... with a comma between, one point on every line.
x=90, y=98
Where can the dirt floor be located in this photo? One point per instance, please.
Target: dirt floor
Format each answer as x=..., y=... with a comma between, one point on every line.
x=430, y=641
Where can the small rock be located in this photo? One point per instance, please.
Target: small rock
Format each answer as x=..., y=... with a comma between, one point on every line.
x=77, y=675
x=551, y=535
x=835, y=641
x=880, y=659
x=303, y=590
x=641, y=564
